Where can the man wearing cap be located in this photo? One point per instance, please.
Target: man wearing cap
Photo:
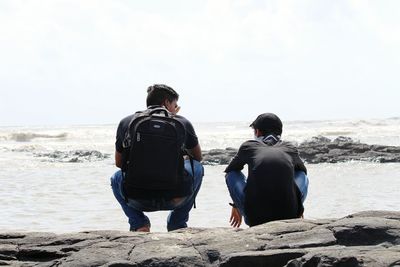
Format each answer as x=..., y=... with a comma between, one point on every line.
x=277, y=182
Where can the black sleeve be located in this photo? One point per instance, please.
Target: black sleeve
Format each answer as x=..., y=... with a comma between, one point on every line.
x=293, y=152
x=119, y=139
x=191, y=137
x=121, y=130
x=240, y=159
x=299, y=164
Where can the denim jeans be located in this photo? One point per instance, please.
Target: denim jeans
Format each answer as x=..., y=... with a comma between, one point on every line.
x=179, y=214
x=236, y=182
x=301, y=180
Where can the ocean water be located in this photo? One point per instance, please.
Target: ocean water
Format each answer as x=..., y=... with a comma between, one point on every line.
x=52, y=180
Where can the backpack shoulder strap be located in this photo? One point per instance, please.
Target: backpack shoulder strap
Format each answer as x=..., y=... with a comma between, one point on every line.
x=159, y=110
x=128, y=138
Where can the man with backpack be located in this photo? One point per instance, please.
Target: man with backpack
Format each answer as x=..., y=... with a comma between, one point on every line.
x=159, y=156
x=277, y=183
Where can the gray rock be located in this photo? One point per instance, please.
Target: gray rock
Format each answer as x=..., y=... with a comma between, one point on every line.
x=218, y=156
x=342, y=149
x=354, y=231
x=370, y=238
x=322, y=150
x=380, y=214
x=262, y=258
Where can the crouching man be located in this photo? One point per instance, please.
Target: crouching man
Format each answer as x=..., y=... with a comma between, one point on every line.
x=159, y=156
x=277, y=183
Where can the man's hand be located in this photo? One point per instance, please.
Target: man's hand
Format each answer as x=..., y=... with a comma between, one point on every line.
x=236, y=217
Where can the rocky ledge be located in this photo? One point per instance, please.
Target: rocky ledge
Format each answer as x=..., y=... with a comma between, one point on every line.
x=322, y=150
x=370, y=238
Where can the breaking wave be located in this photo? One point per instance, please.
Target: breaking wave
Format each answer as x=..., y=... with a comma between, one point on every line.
x=370, y=123
x=73, y=156
x=26, y=137
x=335, y=133
x=28, y=148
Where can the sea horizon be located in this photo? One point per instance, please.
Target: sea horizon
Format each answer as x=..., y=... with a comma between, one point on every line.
x=201, y=121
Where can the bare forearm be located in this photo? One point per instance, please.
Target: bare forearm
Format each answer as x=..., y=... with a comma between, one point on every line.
x=118, y=159
x=195, y=153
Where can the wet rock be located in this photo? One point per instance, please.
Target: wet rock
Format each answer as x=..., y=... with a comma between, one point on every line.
x=262, y=258
x=370, y=238
x=218, y=156
x=342, y=149
x=320, y=149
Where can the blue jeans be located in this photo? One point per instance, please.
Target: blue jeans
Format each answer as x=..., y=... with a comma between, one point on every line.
x=236, y=182
x=179, y=214
x=301, y=180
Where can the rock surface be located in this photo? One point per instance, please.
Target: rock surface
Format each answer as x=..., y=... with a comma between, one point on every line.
x=322, y=150
x=370, y=238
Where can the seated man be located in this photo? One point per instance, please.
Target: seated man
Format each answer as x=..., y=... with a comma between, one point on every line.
x=152, y=150
x=274, y=168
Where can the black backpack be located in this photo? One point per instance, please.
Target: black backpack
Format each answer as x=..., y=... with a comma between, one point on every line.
x=154, y=143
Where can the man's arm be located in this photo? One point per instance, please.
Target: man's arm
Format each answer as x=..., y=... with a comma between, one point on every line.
x=122, y=128
x=240, y=159
x=236, y=164
x=118, y=159
x=195, y=153
x=191, y=140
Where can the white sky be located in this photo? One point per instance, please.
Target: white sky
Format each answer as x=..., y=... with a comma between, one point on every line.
x=90, y=61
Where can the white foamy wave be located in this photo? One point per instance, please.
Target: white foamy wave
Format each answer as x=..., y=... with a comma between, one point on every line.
x=28, y=148
x=73, y=156
x=336, y=133
x=370, y=123
x=27, y=137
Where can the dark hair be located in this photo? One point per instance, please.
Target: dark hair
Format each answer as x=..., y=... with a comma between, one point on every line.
x=158, y=93
x=268, y=123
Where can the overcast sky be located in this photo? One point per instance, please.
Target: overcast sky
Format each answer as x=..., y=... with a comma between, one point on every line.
x=90, y=61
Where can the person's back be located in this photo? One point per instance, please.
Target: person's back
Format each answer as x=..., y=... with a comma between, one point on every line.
x=270, y=193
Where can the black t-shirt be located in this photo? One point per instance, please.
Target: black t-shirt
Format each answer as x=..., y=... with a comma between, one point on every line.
x=190, y=142
x=270, y=192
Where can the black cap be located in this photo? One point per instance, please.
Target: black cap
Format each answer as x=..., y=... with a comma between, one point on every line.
x=268, y=123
